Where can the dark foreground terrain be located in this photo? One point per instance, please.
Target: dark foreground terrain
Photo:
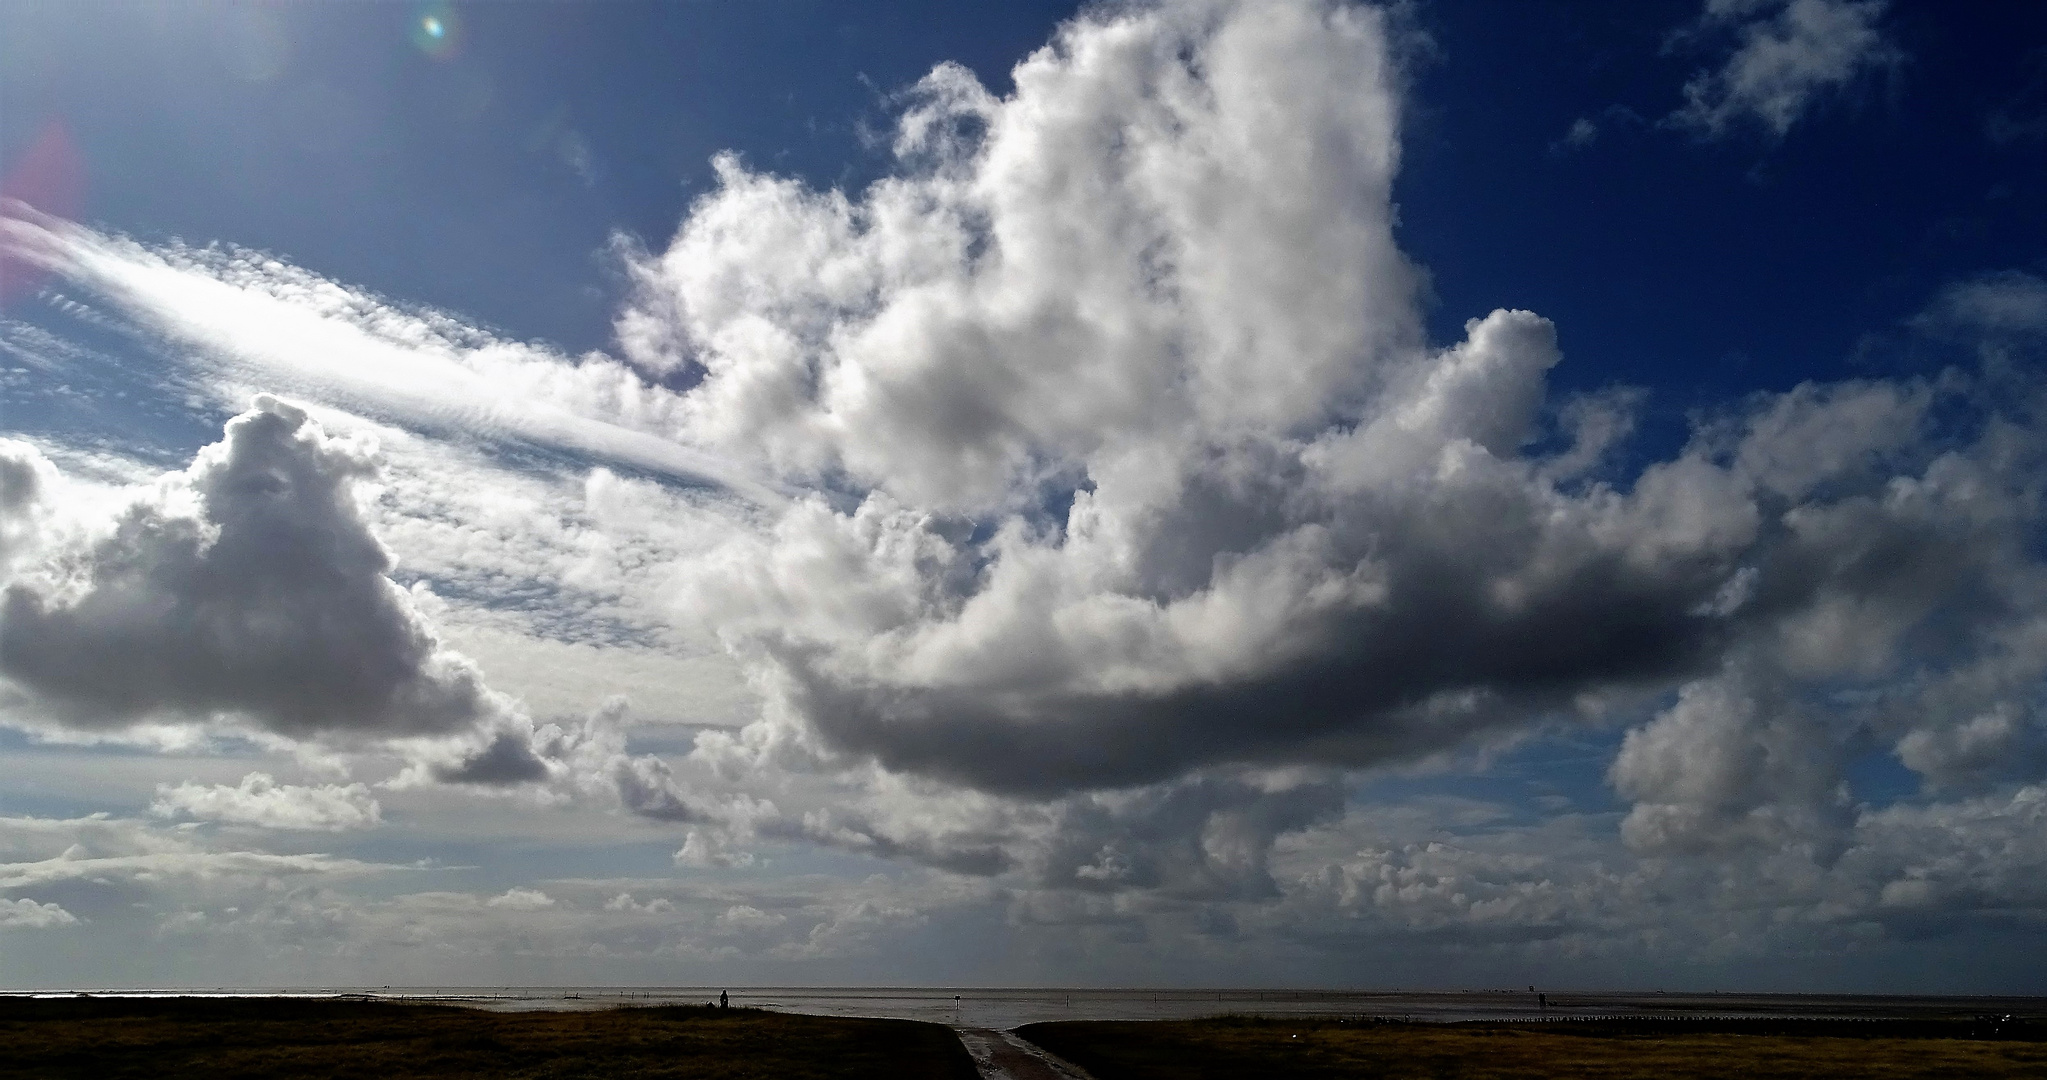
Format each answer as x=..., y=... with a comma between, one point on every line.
x=1315, y=1049
x=225, y=1038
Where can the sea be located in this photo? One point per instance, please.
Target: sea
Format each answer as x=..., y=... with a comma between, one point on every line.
x=1005, y=1008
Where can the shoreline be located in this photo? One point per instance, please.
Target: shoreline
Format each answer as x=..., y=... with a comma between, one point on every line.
x=1005, y=1008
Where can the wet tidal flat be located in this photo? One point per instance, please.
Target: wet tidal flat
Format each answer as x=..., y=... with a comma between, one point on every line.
x=230, y=1038
x=1296, y=1049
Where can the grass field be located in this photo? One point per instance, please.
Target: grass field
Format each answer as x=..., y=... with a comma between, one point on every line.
x=227, y=1038
x=1317, y=1049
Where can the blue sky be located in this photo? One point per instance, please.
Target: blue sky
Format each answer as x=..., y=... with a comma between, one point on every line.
x=1478, y=492
x=453, y=180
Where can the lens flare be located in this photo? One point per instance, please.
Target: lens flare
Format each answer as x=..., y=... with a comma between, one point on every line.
x=436, y=31
x=48, y=178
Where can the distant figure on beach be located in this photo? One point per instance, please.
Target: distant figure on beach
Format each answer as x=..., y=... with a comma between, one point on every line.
x=1542, y=1001
x=724, y=1000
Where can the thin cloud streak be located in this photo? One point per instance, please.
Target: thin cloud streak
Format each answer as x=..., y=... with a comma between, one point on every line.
x=260, y=323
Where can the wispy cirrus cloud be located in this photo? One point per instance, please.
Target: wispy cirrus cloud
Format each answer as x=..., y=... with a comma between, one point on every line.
x=272, y=326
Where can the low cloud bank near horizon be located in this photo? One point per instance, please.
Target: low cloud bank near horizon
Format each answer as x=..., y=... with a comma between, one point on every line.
x=1088, y=514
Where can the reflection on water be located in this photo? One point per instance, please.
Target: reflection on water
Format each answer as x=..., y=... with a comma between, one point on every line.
x=1008, y=1008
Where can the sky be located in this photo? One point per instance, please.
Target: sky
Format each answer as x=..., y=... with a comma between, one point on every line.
x=1277, y=492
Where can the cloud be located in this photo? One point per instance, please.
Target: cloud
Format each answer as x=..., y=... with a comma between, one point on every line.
x=1582, y=133
x=1998, y=305
x=624, y=902
x=748, y=917
x=507, y=756
x=1790, y=57
x=850, y=930
x=26, y=478
x=153, y=866
x=261, y=324
x=1586, y=130
x=595, y=925
x=249, y=586
x=1124, y=524
x=705, y=848
x=517, y=899
x=1197, y=194
x=1120, y=491
x=1068, y=572
x=29, y=915
x=261, y=801
x=2022, y=118
x=1729, y=765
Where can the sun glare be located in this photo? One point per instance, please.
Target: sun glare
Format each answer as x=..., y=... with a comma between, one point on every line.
x=435, y=31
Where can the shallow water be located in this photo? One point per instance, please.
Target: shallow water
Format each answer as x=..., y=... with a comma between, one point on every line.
x=1008, y=1008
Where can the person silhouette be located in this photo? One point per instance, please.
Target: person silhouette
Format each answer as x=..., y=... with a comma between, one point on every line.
x=724, y=1000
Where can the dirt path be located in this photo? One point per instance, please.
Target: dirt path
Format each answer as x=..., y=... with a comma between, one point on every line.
x=1001, y=1055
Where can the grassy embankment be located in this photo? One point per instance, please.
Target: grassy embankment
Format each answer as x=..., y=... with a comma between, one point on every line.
x=222, y=1039
x=1271, y=1049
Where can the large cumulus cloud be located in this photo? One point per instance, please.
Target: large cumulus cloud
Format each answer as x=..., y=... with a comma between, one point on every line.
x=1133, y=462
x=247, y=586
x=25, y=477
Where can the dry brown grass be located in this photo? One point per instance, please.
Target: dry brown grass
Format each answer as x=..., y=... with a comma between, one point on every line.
x=108, y=1039
x=1326, y=1050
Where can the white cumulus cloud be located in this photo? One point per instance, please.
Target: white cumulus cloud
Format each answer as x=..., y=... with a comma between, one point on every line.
x=29, y=915
x=248, y=585
x=521, y=899
x=262, y=801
